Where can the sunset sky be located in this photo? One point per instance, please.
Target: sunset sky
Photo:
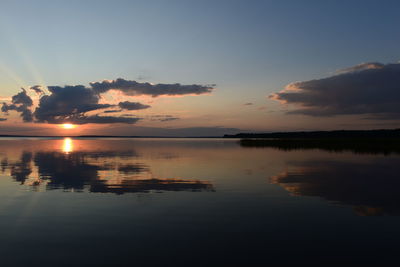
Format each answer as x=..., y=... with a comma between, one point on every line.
x=196, y=68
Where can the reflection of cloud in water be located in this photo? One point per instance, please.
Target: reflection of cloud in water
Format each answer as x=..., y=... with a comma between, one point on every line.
x=372, y=188
x=65, y=171
x=157, y=185
x=20, y=170
x=133, y=168
x=93, y=171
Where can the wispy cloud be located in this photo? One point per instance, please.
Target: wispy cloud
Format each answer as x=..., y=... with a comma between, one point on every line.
x=132, y=105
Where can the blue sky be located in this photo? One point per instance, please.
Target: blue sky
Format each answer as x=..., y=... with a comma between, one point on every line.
x=249, y=49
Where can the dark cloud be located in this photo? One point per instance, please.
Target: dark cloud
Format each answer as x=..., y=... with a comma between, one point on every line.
x=112, y=111
x=170, y=119
x=67, y=104
x=132, y=105
x=369, y=88
x=82, y=119
x=37, y=89
x=129, y=115
x=248, y=104
x=21, y=103
x=26, y=115
x=133, y=88
x=22, y=98
x=3, y=119
x=70, y=104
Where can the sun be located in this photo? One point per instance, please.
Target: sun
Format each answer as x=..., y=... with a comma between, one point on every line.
x=68, y=126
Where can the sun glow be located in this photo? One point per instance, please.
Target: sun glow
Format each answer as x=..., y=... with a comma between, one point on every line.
x=67, y=145
x=68, y=126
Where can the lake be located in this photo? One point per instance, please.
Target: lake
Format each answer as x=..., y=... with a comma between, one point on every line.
x=147, y=202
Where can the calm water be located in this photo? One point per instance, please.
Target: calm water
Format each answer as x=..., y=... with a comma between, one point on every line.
x=145, y=202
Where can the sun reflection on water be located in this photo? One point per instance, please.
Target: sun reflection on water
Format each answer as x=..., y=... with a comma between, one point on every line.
x=67, y=145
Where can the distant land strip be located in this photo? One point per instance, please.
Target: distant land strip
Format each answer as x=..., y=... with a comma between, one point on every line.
x=362, y=142
x=339, y=134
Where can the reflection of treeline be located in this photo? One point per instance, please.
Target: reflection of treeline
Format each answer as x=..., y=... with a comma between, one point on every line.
x=359, y=145
x=355, y=135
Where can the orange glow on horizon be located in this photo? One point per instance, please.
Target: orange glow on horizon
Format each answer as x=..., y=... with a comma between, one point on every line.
x=68, y=126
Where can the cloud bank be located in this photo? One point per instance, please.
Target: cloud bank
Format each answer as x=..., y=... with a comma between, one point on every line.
x=368, y=88
x=133, y=88
x=67, y=104
x=70, y=104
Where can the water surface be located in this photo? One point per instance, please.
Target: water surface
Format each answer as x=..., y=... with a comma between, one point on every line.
x=189, y=202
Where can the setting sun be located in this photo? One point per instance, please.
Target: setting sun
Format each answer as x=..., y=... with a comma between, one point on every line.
x=68, y=126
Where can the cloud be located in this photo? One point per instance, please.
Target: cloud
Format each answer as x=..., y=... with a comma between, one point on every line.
x=21, y=103
x=37, y=89
x=163, y=118
x=362, y=66
x=170, y=119
x=67, y=103
x=22, y=98
x=112, y=111
x=368, y=88
x=71, y=103
x=132, y=105
x=82, y=119
x=133, y=88
x=3, y=119
x=248, y=104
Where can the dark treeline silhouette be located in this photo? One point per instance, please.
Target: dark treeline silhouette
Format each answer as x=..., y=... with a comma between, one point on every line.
x=370, y=142
x=339, y=134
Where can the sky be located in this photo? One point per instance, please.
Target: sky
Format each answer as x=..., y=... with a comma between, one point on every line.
x=198, y=68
